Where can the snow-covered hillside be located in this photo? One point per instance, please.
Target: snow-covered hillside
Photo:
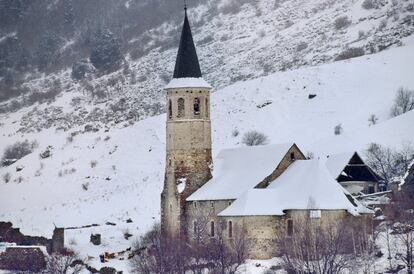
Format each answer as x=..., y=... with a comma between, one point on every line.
x=117, y=173
x=236, y=40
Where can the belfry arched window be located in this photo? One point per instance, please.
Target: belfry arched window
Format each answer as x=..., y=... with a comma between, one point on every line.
x=181, y=107
x=169, y=109
x=196, y=106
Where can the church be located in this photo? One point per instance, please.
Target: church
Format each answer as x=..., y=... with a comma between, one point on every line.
x=258, y=191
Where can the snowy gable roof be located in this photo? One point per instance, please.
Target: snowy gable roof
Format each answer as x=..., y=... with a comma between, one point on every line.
x=336, y=163
x=239, y=169
x=306, y=184
x=187, y=83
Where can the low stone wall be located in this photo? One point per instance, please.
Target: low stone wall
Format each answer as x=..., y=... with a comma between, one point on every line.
x=23, y=259
x=10, y=234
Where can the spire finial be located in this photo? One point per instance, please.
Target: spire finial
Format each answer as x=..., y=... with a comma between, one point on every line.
x=185, y=6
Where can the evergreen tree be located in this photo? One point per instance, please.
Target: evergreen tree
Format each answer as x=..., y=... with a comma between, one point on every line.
x=106, y=52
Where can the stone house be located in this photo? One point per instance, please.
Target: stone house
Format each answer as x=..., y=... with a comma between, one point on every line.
x=352, y=173
x=258, y=192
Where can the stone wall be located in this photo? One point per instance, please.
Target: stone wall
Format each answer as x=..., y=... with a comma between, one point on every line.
x=13, y=235
x=23, y=259
x=261, y=232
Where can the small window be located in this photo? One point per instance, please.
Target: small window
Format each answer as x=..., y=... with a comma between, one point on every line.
x=195, y=204
x=206, y=107
x=230, y=229
x=181, y=107
x=170, y=207
x=212, y=204
x=195, y=227
x=196, y=106
x=371, y=189
x=292, y=157
x=212, y=229
x=169, y=109
x=290, y=227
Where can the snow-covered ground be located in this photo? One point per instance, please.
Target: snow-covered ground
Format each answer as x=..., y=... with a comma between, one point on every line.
x=116, y=174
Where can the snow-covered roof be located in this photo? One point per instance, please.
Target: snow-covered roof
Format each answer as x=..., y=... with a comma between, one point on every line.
x=187, y=83
x=337, y=162
x=239, y=169
x=306, y=184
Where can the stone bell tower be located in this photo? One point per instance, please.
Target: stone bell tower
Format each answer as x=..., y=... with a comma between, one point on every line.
x=188, y=135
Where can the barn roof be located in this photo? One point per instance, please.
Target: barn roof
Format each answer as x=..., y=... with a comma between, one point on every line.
x=306, y=184
x=239, y=169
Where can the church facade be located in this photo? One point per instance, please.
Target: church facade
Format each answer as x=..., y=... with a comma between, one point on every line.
x=257, y=192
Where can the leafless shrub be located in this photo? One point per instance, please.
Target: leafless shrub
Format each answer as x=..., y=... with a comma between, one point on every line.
x=368, y=4
x=17, y=151
x=403, y=102
x=350, y=53
x=338, y=129
x=361, y=34
x=383, y=24
x=400, y=230
x=6, y=177
x=235, y=132
x=85, y=186
x=227, y=257
x=372, y=120
x=93, y=163
x=342, y=22
x=254, y=138
x=70, y=138
x=67, y=263
x=301, y=46
x=19, y=179
x=389, y=163
x=329, y=247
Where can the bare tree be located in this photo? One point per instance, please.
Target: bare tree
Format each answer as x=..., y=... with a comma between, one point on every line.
x=254, y=138
x=403, y=102
x=316, y=247
x=227, y=254
x=158, y=253
x=400, y=214
x=372, y=120
x=64, y=263
x=389, y=163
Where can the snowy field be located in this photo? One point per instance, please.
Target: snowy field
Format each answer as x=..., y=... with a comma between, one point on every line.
x=116, y=174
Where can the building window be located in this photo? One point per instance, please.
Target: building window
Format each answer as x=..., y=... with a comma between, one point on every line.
x=169, y=109
x=181, y=107
x=290, y=227
x=195, y=204
x=196, y=106
x=292, y=157
x=170, y=207
x=212, y=229
x=371, y=189
x=206, y=107
x=230, y=229
x=195, y=228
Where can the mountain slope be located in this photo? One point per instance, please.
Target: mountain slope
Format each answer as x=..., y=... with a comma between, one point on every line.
x=117, y=173
x=236, y=40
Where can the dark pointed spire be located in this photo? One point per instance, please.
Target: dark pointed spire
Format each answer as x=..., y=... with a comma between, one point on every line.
x=187, y=64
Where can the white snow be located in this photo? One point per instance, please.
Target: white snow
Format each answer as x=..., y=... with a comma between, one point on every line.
x=336, y=163
x=239, y=169
x=187, y=83
x=306, y=184
x=348, y=92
